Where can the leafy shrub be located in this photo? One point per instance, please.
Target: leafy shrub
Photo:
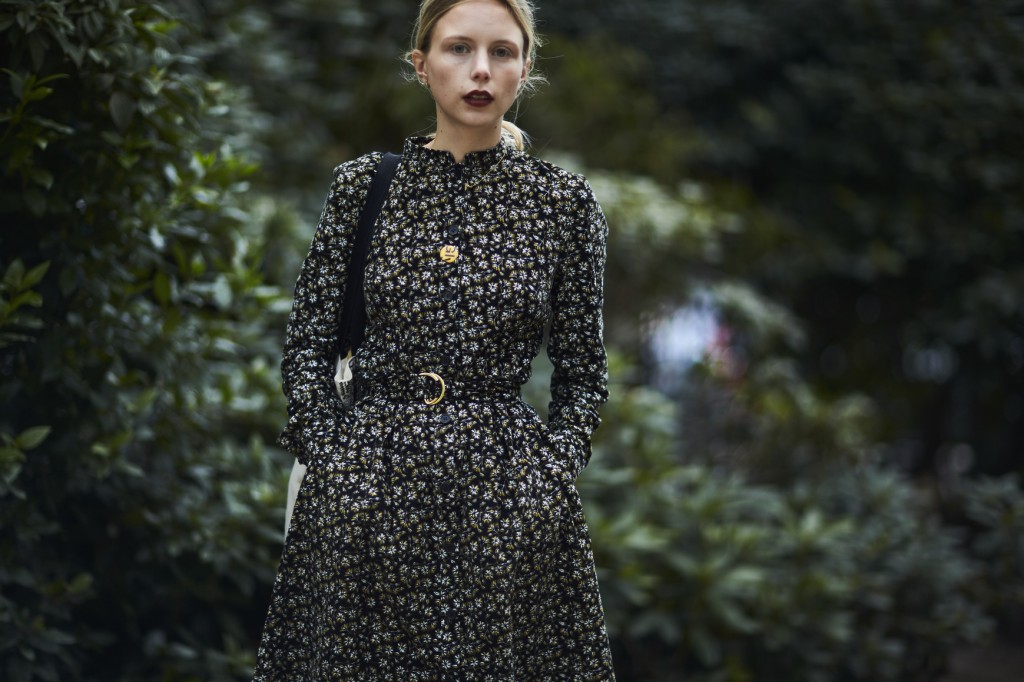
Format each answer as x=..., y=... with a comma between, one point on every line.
x=709, y=577
x=996, y=507
x=138, y=378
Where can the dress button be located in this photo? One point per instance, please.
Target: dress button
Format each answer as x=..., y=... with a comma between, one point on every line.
x=453, y=230
x=445, y=418
x=445, y=487
x=448, y=294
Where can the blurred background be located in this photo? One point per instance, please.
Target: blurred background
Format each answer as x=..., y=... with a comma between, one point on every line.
x=809, y=466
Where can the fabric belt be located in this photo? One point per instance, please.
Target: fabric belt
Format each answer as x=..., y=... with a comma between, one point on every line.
x=432, y=388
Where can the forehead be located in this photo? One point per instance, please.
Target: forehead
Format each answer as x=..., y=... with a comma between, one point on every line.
x=484, y=19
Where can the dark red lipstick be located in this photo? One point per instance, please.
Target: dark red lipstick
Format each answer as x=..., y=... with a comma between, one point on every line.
x=478, y=98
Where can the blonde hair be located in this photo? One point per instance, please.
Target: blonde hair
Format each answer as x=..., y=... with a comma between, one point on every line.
x=431, y=12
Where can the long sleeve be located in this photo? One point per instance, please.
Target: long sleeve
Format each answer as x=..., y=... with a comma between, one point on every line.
x=316, y=418
x=579, y=382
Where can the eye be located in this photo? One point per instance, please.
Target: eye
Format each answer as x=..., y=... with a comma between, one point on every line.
x=503, y=52
x=460, y=48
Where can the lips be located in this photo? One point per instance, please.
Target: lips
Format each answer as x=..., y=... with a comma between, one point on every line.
x=478, y=98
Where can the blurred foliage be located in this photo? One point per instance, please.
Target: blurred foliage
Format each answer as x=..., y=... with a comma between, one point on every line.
x=996, y=505
x=882, y=139
x=844, y=199
x=138, y=375
x=705, y=576
x=324, y=78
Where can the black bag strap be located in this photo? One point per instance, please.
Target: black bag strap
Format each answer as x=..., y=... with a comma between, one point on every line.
x=353, y=310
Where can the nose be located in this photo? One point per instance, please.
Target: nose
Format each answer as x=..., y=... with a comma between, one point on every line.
x=481, y=67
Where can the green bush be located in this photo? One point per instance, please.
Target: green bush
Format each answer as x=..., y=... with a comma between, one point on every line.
x=709, y=577
x=996, y=508
x=138, y=379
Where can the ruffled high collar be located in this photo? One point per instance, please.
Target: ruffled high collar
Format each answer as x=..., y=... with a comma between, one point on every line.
x=437, y=161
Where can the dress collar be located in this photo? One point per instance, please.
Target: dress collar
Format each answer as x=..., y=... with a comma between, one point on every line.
x=430, y=161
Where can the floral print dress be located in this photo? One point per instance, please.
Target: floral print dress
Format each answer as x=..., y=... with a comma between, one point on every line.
x=444, y=539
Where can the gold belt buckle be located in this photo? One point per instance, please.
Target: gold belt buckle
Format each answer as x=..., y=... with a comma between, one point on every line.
x=438, y=379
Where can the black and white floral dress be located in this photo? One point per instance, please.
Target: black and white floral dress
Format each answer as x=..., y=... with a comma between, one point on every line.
x=446, y=541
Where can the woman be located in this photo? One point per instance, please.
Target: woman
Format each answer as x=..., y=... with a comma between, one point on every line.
x=444, y=540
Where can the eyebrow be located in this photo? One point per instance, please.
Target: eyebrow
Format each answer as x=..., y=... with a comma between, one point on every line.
x=468, y=39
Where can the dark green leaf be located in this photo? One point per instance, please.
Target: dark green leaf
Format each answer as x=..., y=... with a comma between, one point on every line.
x=122, y=108
x=32, y=438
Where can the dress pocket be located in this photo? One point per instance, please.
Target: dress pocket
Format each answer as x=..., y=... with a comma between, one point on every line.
x=560, y=454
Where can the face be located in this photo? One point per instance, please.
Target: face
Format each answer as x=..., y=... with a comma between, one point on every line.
x=474, y=67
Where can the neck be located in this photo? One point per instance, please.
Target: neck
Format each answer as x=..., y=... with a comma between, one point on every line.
x=462, y=143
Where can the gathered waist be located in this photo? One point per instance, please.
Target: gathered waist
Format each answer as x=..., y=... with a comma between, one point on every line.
x=433, y=388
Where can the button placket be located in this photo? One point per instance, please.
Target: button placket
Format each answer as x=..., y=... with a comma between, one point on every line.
x=450, y=253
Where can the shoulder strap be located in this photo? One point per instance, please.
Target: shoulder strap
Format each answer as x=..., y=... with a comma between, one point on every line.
x=353, y=311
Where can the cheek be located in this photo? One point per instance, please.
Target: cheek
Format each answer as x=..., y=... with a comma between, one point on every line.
x=511, y=80
x=440, y=74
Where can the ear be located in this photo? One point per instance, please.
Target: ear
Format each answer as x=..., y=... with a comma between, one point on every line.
x=419, y=62
x=526, y=71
